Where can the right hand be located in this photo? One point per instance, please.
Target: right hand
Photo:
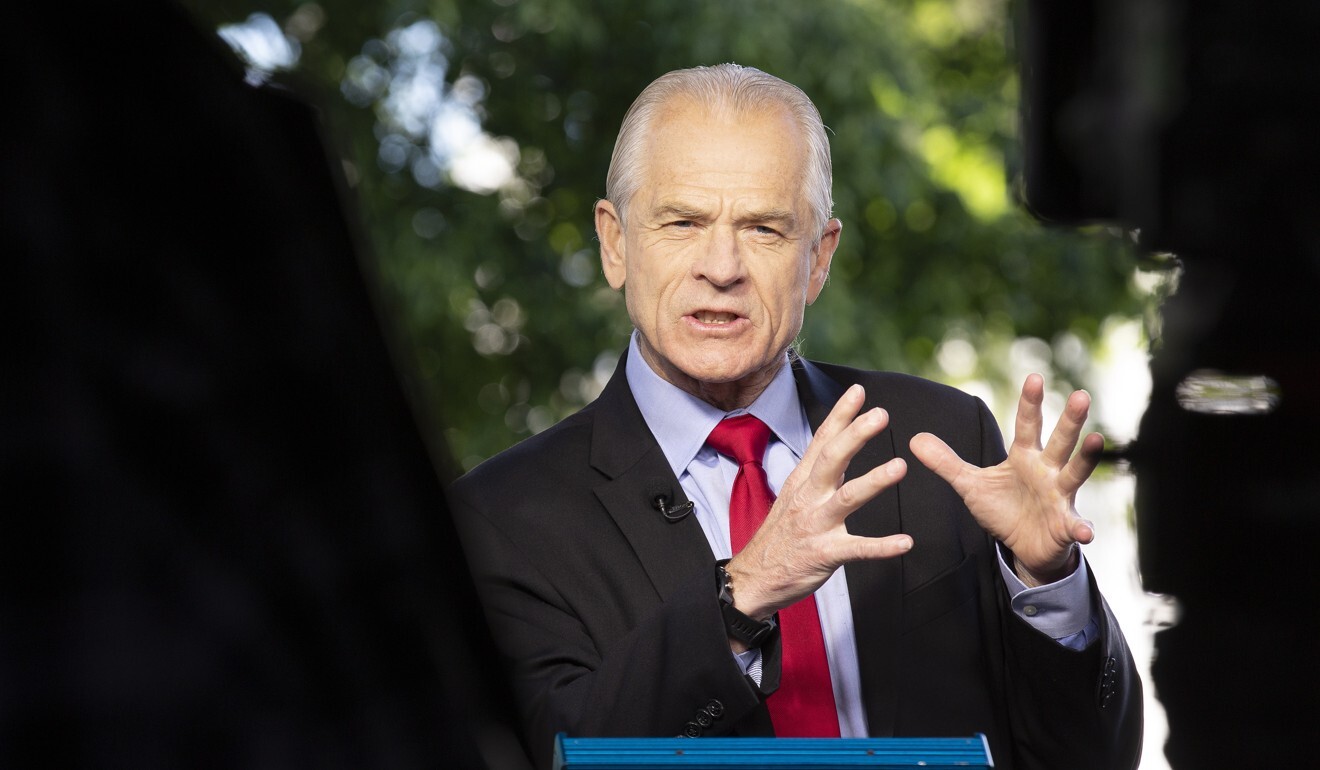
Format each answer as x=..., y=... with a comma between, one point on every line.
x=803, y=539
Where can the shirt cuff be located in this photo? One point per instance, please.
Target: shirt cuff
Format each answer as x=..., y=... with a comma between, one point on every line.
x=1061, y=610
x=750, y=662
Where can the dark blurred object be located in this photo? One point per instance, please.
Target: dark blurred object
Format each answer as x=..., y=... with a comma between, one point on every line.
x=1195, y=123
x=225, y=543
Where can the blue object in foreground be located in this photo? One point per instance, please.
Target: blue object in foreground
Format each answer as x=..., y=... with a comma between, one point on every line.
x=806, y=753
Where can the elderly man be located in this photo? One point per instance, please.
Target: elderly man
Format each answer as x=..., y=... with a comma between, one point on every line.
x=667, y=561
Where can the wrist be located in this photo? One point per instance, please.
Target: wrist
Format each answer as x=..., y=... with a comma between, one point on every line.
x=1044, y=575
x=747, y=598
x=744, y=632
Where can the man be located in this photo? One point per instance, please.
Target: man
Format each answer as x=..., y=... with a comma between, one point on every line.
x=963, y=605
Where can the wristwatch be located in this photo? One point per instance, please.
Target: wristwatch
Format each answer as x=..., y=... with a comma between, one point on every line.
x=752, y=633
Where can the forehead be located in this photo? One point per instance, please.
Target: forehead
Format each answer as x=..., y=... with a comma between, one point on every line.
x=732, y=155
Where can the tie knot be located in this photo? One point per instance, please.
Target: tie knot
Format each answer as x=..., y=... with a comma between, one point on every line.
x=744, y=438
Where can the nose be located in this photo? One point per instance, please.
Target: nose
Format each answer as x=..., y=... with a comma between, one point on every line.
x=721, y=262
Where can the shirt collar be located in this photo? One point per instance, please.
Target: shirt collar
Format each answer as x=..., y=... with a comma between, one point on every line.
x=681, y=422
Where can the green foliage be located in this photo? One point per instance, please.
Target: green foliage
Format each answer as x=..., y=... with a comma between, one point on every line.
x=507, y=318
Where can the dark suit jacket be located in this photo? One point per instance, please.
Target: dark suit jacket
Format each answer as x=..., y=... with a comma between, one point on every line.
x=607, y=613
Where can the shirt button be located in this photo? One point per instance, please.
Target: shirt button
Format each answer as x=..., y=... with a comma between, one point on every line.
x=1029, y=610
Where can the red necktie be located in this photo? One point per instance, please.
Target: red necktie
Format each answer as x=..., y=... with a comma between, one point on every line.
x=803, y=706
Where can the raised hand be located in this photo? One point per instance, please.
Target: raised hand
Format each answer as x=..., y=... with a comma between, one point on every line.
x=803, y=539
x=1028, y=501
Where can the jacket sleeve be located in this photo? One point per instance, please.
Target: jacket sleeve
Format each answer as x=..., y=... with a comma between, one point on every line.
x=595, y=663
x=1067, y=708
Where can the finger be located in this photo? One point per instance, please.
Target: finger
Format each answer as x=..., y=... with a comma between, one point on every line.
x=861, y=490
x=856, y=547
x=1064, y=437
x=1027, y=426
x=1081, y=466
x=840, y=417
x=835, y=454
x=936, y=455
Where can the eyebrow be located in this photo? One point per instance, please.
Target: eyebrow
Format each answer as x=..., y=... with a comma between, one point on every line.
x=681, y=211
x=784, y=216
x=676, y=211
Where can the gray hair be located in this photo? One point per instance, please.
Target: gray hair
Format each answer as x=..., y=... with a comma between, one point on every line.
x=721, y=87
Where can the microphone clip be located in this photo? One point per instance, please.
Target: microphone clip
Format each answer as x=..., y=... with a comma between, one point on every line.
x=672, y=513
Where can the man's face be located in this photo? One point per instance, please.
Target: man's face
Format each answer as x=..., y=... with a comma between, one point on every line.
x=720, y=255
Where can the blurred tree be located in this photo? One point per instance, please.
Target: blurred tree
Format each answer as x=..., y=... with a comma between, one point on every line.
x=478, y=133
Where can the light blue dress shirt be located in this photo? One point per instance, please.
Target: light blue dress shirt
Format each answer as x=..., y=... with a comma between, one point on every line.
x=681, y=422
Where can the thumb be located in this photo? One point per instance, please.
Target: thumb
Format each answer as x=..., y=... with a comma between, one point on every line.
x=936, y=455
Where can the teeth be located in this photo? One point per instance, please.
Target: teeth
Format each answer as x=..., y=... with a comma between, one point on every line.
x=708, y=317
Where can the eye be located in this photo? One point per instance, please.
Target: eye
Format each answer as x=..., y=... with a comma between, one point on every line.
x=766, y=230
x=681, y=223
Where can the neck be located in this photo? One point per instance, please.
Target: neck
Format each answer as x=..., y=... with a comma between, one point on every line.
x=732, y=395
x=726, y=396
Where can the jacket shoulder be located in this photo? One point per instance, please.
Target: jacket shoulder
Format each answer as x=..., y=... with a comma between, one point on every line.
x=896, y=386
x=560, y=451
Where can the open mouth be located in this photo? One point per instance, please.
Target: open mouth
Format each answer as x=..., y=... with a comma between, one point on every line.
x=712, y=317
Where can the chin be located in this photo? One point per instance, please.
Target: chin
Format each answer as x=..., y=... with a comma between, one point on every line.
x=721, y=372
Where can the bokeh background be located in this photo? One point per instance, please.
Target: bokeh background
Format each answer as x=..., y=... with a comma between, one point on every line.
x=474, y=138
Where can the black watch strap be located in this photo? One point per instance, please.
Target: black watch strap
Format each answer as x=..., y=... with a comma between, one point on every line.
x=752, y=633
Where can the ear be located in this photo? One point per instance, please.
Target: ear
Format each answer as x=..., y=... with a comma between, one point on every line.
x=821, y=257
x=609, y=230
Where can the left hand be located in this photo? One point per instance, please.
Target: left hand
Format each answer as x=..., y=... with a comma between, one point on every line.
x=1027, y=502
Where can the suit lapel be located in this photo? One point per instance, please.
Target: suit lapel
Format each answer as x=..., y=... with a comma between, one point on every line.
x=625, y=451
x=875, y=587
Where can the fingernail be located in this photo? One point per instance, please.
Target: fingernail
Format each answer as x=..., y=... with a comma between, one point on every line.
x=904, y=544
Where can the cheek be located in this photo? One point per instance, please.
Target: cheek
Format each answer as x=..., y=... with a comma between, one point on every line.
x=643, y=300
x=653, y=285
x=788, y=298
